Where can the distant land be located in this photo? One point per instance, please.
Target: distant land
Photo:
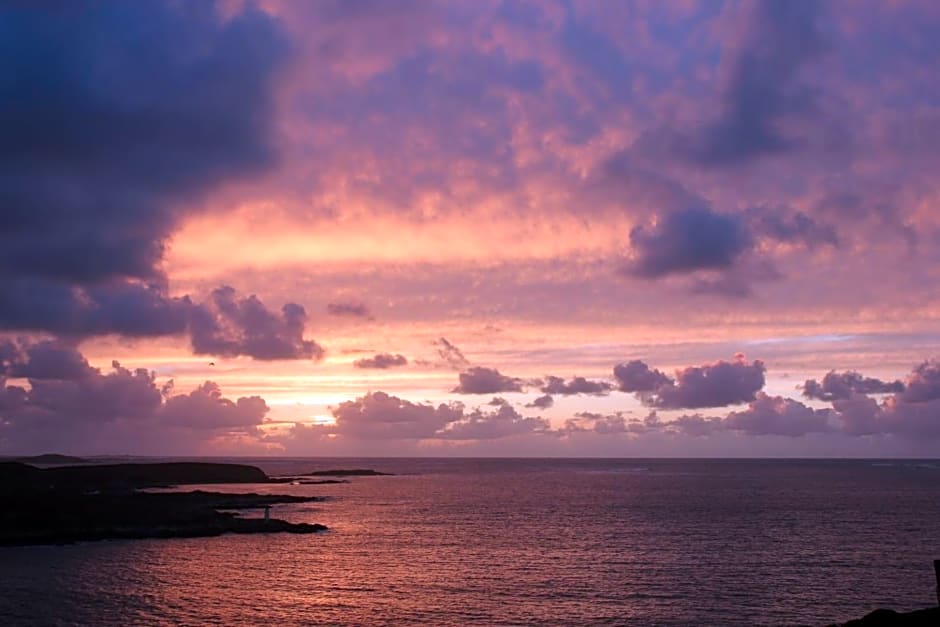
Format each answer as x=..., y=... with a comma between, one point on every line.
x=49, y=459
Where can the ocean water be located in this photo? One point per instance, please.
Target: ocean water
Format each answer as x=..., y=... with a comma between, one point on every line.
x=524, y=542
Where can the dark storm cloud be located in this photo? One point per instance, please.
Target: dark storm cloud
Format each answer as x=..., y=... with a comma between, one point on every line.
x=687, y=240
x=352, y=310
x=577, y=385
x=842, y=385
x=122, y=306
x=112, y=115
x=636, y=376
x=764, y=87
x=382, y=361
x=480, y=380
x=228, y=326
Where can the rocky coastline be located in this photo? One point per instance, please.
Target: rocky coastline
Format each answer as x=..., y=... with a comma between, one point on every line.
x=67, y=504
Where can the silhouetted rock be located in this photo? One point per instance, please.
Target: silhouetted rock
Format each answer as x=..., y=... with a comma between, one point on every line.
x=889, y=618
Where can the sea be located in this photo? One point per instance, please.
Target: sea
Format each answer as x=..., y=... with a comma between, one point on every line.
x=523, y=542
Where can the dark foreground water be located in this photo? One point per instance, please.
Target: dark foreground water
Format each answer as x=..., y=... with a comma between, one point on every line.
x=541, y=542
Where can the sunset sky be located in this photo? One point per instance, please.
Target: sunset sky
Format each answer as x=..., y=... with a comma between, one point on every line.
x=651, y=228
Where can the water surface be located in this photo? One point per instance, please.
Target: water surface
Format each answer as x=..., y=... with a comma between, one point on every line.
x=529, y=542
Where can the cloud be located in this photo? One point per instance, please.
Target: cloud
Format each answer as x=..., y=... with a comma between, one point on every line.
x=45, y=359
x=381, y=361
x=764, y=87
x=228, y=326
x=775, y=415
x=841, y=386
x=504, y=422
x=116, y=121
x=695, y=425
x=450, y=354
x=636, y=376
x=606, y=424
x=712, y=385
x=69, y=405
x=923, y=384
x=542, y=402
x=685, y=241
x=480, y=380
x=798, y=227
x=353, y=310
x=577, y=385
x=206, y=408
x=378, y=415
x=121, y=306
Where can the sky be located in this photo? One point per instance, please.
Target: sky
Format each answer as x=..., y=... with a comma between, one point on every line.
x=556, y=228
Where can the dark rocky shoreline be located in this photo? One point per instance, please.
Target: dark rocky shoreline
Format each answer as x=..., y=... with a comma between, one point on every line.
x=889, y=618
x=69, y=504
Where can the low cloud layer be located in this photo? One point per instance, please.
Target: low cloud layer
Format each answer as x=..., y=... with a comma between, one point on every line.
x=67, y=405
x=378, y=415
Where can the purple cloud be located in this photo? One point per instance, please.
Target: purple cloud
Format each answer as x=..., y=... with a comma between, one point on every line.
x=636, y=376
x=923, y=384
x=206, y=408
x=764, y=88
x=712, y=385
x=111, y=119
x=685, y=241
x=577, y=385
x=228, y=326
x=69, y=404
x=382, y=361
x=542, y=402
x=504, y=422
x=450, y=354
x=378, y=415
x=840, y=386
x=774, y=415
x=353, y=310
x=480, y=380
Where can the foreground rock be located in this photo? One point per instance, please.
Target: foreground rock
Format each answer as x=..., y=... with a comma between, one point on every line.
x=72, y=504
x=889, y=618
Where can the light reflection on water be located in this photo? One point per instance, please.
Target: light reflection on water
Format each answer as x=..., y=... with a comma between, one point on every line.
x=523, y=542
